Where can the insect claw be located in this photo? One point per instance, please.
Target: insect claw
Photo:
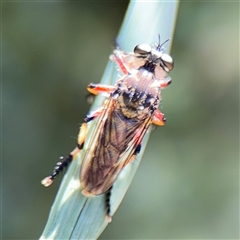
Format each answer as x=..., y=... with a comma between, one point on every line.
x=46, y=182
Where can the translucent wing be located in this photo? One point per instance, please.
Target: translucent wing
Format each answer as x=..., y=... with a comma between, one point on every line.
x=112, y=145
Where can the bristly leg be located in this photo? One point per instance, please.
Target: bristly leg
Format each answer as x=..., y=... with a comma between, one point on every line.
x=95, y=89
x=108, y=204
x=81, y=139
x=60, y=166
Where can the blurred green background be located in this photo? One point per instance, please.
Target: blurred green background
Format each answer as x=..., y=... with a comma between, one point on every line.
x=187, y=186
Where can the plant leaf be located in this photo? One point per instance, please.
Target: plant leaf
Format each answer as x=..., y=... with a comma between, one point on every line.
x=73, y=215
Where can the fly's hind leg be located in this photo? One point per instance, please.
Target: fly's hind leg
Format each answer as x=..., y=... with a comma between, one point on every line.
x=60, y=166
x=108, y=204
x=108, y=193
x=136, y=152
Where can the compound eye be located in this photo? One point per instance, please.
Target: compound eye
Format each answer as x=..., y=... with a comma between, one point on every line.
x=142, y=49
x=167, y=62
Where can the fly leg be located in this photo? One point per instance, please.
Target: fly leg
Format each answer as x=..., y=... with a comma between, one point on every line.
x=136, y=152
x=117, y=56
x=108, y=193
x=95, y=89
x=158, y=118
x=108, y=205
x=100, y=88
x=165, y=82
x=81, y=139
x=137, y=140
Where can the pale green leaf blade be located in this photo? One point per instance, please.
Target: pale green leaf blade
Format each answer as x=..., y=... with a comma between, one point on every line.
x=74, y=216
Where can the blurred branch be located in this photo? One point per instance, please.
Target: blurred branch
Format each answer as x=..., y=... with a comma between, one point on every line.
x=74, y=216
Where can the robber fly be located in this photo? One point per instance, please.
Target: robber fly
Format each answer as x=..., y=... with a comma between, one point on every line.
x=130, y=108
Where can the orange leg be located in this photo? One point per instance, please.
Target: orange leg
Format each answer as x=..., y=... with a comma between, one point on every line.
x=117, y=57
x=166, y=82
x=100, y=88
x=158, y=118
x=81, y=139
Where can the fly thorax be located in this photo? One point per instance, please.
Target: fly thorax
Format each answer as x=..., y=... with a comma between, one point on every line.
x=138, y=95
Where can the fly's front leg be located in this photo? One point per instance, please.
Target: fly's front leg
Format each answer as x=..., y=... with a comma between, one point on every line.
x=158, y=118
x=166, y=82
x=117, y=57
x=81, y=139
x=95, y=89
x=100, y=88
